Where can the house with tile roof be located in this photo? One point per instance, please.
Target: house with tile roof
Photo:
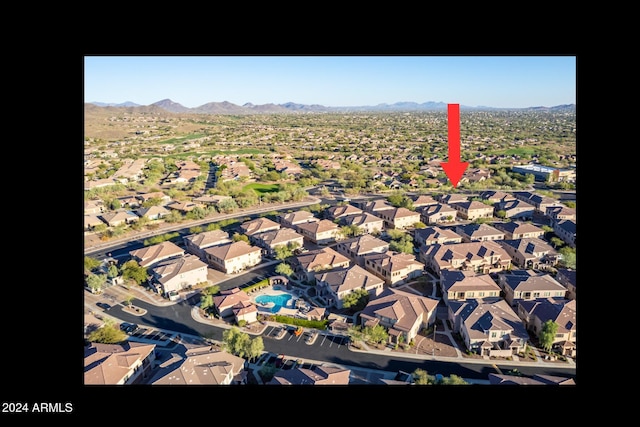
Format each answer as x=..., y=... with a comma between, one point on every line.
x=488, y=326
x=395, y=268
x=293, y=219
x=120, y=217
x=472, y=209
x=268, y=240
x=515, y=209
x=118, y=364
x=321, y=232
x=431, y=235
x=567, y=278
x=317, y=375
x=558, y=213
x=422, y=200
x=355, y=248
x=150, y=255
x=560, y=310
x=307, y=265
x=153, y=212
x=402, y=313
x=202, y=366
x=475, y=232
x=178, y=274
x=94, y=207
x=448, y=199
x=437, y=214
x=210, y=199
x=377, y=205
x=565, y=229
x=198, y=242
x=233, y=257
x=258, y=225
x=481, y=257
x=519, y=230
x=457, y=285
x=368, y=223
x=91, y=221
x=183, y=206
x=531, y=252
x=333, y=285
x=541, y=203
x=527, y=285
x=400, y=218
x=225, y=301
x=338, y=211
x=159, y=195
x=494, y=196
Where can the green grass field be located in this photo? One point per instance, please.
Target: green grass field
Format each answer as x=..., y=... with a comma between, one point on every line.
x=262, y=188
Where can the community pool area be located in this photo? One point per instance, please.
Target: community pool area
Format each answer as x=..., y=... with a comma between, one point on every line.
x=278, y=300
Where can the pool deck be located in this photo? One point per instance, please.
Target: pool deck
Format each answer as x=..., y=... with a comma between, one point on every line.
x=270, y=291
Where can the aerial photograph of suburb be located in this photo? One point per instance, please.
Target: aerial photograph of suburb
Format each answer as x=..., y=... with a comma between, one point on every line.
x=384, y=221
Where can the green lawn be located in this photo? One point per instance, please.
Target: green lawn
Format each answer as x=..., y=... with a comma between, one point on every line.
x=262, y=188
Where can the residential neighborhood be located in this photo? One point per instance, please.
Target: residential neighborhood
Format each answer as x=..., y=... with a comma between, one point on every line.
x=379, y=250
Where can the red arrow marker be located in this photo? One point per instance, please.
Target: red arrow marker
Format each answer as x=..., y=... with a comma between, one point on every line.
x=454, y=168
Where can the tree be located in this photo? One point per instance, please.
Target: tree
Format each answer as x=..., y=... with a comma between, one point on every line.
x=421, y=377
x=548, y=334
x=240, y=344
x=90, y=264
x=132, y=270
x=256, y=347
x=568, y=256
x=113, y=271
x=284, y=269
x=96, y=282
x=206, y=301
x=107, y=334
x=237, y=237
x=453, y=379
x=377, y=333
x=356, y=300
x=235, y=341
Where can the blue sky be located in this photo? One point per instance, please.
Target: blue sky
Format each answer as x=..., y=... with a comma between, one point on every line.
x=335, y=81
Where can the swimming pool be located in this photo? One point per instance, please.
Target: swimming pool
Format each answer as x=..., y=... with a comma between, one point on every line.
x=280, y=300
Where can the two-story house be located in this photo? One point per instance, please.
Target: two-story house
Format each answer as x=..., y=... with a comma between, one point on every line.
x=332, y=286
x=488, y=326
x=310, y=263
x=481, y=257
x=526, y=285
x=562, y=311
x=357, y=247
x=197, y=243
x=402, y=313
x=459, y=285
x=478, y=232
x=431, y=235
x=233, y=257
x=177, y=274
x=395, y=268
x=531, y=252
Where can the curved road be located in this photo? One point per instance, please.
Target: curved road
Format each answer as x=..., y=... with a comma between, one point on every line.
x=177, y=318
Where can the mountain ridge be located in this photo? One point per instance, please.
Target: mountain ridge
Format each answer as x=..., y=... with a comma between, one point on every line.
x=226, y=107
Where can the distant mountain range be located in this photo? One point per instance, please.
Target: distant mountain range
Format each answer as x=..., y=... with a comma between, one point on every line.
x=291, y=107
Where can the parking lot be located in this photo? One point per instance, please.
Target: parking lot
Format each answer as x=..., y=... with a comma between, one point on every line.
x=147, y=335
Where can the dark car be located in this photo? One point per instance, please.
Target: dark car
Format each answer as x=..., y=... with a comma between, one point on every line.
x=129, y=328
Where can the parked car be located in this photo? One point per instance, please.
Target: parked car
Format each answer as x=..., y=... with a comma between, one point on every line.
x=129, y=328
